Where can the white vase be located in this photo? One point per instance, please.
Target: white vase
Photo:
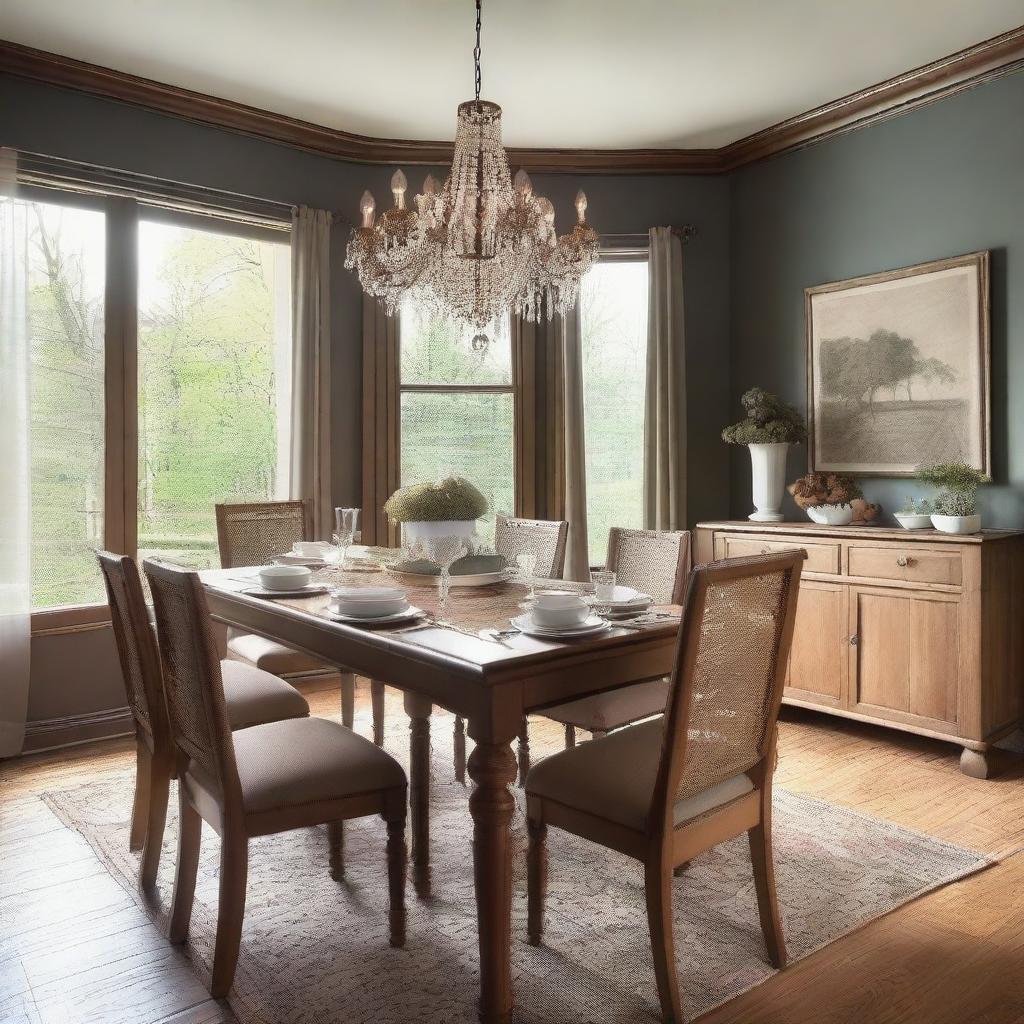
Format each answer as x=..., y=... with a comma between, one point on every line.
x=768, y=470
x=422, y=530
x=957, y=524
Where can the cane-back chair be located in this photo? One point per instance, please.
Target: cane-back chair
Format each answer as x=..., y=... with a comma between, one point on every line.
x=254, y=533
x=654, y=563
x=666, y=790
x=259, y=781
x=545, y=540
x=252, y=697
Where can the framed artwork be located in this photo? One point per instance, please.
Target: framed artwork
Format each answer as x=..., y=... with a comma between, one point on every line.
x=898, y=369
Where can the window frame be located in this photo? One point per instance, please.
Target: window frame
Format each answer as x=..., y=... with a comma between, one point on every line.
x=122, y=215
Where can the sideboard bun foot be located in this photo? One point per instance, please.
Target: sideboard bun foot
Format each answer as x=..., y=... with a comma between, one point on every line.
x=975, y=763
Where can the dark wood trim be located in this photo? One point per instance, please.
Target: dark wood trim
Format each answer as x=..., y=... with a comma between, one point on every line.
x=51, y=733
x=1002, y=54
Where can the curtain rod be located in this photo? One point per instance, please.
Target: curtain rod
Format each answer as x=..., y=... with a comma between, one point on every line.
x=685, y=233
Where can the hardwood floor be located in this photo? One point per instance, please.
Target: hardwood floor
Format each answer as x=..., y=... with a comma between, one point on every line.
x=75, y=948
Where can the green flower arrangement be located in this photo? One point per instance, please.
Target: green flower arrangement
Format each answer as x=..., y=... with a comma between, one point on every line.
x=452, y=499
x=769, y=421
x=959, y=485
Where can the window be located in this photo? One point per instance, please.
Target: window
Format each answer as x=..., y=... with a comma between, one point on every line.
x=456, y=407
x=214, y=361
x=65, y=280
x=613, y=310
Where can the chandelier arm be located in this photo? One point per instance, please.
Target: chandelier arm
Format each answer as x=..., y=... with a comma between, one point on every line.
x=476, y=53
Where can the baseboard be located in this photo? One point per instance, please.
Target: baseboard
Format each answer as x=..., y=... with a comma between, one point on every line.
x=69, y=731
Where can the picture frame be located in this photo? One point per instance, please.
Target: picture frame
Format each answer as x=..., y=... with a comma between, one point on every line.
x=898, y=369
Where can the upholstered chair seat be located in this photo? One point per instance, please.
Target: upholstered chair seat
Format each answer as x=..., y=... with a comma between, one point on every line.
x=592, y=779
x=271, y=656
x=254, y=696
x=606, y=711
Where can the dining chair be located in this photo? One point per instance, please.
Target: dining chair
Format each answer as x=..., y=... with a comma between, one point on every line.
x=252, y=696
x=666, y=790
x=655, y=563
x=545, y=540
x=258, y=781
x=253, y=533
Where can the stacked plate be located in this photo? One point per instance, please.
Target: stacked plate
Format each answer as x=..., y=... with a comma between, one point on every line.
x=373, y=606
x=625, y=603
x=559, y=615
x=590, y=626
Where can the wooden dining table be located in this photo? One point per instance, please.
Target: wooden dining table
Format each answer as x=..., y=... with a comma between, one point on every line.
x=491, y=682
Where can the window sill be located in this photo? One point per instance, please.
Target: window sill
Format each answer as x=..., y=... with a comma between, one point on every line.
x=70, y=619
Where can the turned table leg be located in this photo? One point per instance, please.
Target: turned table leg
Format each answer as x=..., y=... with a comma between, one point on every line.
x=492, y=767
x=418, y=709
x=348, y=699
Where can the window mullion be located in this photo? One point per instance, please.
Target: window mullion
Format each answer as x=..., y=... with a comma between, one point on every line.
x=121, y=374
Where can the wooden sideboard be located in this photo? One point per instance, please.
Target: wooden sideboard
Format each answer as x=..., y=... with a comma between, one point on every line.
x=916, y=630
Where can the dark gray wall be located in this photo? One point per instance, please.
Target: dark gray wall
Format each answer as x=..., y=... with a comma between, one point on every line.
x=56, y=122
x=944, y=180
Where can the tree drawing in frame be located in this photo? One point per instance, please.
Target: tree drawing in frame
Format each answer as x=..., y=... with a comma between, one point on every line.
x=898, y=369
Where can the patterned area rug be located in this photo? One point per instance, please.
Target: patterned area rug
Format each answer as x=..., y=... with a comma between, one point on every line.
x=315, y=951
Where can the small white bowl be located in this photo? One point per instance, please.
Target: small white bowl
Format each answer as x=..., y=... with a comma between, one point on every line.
x=285, y=577
x=913, y=521
x=311, y=548
x=831, y=515
x=369, y=602
x=559, y=610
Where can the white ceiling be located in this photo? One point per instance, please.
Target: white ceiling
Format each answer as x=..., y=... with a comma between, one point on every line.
x=568, y=73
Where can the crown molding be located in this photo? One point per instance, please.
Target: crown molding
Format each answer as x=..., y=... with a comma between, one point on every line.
x=1003, y=54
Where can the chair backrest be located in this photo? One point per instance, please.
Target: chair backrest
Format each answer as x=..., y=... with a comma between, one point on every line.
x=252, y=533
x=544, y=538
x=136, y=648
x=650, y=561
x=727, y=685
x=191, y=673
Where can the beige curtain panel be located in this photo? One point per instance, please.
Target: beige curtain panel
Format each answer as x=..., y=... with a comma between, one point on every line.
x=665, y=413
x=310, y=466
x=577, y=561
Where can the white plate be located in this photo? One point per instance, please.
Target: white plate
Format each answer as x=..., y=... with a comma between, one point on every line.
x=409, y=613
x=290, y=558
x=416, y=579
x=308, y=590
x=593, y=625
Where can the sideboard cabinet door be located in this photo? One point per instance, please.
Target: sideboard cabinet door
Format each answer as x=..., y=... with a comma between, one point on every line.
x=905, y=655
x=818, y=659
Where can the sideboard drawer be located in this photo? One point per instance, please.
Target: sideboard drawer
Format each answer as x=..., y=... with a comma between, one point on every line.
x=822, y=556
x=910, y=564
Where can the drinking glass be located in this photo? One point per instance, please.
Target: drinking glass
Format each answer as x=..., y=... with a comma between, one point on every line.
x=527, y=562
x=346, y=522
x=444, y=552
x=604, y=585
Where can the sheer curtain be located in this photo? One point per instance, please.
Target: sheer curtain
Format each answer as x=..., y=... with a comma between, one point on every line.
x=665, y=415
x=15, y=504
x=577, y=560
x=310, y=470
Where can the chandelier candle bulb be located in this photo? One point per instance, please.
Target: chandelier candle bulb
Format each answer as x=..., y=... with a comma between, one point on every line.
x=366, y=208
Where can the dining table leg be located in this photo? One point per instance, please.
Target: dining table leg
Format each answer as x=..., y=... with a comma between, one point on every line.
x=492, y=767
x=418, y=709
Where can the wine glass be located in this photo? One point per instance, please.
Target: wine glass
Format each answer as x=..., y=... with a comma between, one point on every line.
x=444, y=552
x=527, y=562
x=346, y=522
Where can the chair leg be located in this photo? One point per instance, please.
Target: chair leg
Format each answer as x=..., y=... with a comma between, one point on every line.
x=536, y=880
x=524, y=751
x=460, y=750
x=159, y=788
x=377, y=702
x=234, y=871
x=396, y=853
x=190, y=827
x=598, y=734
x=140, y=805
x=336, y=842
x=570, y=737
x=767, y=898
x=658, y=889
x=680, y=869
x=348, y=699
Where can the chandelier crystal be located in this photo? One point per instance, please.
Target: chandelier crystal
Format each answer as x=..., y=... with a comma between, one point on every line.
x=479, y=245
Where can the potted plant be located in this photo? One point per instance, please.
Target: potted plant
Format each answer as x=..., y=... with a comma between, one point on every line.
x=770, y=427
x=915, y=514
x=447, y=508
x=826, y=497
x=956, y=505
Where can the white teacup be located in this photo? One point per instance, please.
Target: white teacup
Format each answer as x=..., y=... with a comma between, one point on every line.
x=285, y=577
x=559, y=609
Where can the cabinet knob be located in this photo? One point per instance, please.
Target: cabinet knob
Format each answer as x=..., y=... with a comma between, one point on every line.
x=854, y=640
x=902, y=561
x=766, y=551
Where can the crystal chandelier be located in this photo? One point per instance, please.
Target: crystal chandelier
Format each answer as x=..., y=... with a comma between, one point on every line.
x=480, y=245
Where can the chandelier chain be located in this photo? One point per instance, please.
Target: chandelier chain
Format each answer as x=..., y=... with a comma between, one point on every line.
x=476, y=52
